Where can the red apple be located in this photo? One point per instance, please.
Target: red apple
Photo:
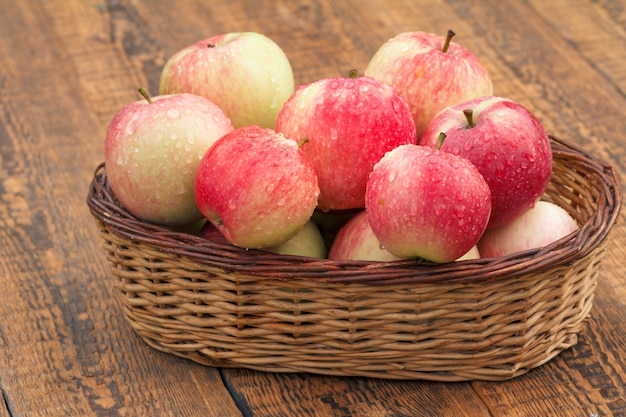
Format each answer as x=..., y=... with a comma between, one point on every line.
x=356, y=241
x=247, y=74
x=256, y=187
x=538, y=227
x=152, y=150
x=507, y=144
x=427, y=203
x=350, y=123
x=212, y=233
x=430, y=72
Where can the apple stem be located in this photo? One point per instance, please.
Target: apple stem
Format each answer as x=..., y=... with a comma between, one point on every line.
x=210, y=45
x=145, y=94
x=302, y=141
x=469, y=116
x=353, y=73
x=442, y=137
x=449, y=36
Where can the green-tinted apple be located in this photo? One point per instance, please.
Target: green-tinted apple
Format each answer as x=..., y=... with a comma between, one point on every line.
x=245, y=73
x=153, y=148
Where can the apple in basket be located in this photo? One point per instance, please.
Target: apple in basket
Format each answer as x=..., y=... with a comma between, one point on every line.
x=307, y=242
x=153, y=148
x=256, y=187
x=540, y=226
x=427, y=203
x=245, y=73
x=507, y=144
x=356, y=241
x=350, y=123
x=430, y=72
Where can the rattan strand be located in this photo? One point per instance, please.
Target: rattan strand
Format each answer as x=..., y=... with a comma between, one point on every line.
x=487, y=319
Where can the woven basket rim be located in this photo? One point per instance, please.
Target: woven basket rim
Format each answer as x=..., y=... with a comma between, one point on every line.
x=104, y=207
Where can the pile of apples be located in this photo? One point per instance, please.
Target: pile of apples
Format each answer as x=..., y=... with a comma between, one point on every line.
x=417, y=158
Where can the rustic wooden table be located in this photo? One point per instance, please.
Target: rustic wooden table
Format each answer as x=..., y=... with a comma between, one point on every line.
x=67, y=66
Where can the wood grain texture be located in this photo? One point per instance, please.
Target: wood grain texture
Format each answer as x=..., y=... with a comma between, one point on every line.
x=67, y=66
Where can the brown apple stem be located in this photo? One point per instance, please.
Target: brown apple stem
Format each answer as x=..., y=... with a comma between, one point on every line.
x=442, y=137
x=145, y=94
x=469, y=116
x=210, y=45
x=449, y=37
x=302, y=142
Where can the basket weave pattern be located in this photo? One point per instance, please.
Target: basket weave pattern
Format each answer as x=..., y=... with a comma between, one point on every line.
x=487, y=319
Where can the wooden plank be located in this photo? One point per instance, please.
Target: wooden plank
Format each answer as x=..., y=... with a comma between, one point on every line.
x=284, y=395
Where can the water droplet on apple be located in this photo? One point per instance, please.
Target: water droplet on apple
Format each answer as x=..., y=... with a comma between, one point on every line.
x=531, y=157
x=130, y=129
x=232, y=204
x=334, y=85
x=364, y=88
x=274, y=103
x=459, y=211
x=203, y=107
x=381, y=246
x=333, y=133
x=173, y=113
x=391, y=176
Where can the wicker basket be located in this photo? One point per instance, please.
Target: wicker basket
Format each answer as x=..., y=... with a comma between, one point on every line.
x=486, y=319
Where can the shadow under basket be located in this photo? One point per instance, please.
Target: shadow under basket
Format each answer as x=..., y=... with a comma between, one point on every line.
x=485, y=319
